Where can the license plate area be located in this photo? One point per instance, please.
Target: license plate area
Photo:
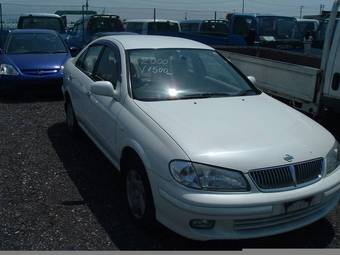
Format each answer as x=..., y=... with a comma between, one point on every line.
x=298, y=205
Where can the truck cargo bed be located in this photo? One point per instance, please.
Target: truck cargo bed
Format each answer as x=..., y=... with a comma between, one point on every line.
x=277, y=55
x=279, y=77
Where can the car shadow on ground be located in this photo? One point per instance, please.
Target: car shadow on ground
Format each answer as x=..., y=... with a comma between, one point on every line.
x=100, y=187
x=18, y=97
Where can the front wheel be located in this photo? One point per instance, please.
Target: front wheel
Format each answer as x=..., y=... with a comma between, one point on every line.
x=139, y=195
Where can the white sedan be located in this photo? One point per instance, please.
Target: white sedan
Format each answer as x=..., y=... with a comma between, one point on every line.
x=201, y=149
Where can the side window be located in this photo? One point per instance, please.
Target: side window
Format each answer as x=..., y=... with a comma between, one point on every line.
x=91, y=58
x=109, y=67
x=80, y=60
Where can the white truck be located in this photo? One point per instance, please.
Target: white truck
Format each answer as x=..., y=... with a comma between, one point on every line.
x=306, y=83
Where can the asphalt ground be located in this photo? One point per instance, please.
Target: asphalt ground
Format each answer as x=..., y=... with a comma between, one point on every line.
x=58, y=192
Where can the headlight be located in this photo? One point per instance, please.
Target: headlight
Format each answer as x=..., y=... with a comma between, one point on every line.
x=333, y=158
x=198, y=176
x=7, y=70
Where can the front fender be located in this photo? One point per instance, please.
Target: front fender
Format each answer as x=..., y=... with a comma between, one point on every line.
x=153, y=145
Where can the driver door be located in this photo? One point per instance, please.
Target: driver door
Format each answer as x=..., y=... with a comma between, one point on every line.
x=106, y=109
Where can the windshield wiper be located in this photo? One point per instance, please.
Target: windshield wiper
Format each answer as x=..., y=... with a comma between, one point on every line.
x=204, y=95
x=31, y=52
x=59, y=51
x=247, y=92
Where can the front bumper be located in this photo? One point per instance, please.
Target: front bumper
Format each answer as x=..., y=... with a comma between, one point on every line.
x=242, y=216
x=31, y=82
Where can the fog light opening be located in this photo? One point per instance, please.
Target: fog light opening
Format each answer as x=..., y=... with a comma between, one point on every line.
x=202, y=224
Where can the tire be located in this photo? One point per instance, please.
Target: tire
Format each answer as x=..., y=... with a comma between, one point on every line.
x=71, y=119
x=138, y=195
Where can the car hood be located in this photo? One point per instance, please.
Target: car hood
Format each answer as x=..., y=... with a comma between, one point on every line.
x=241, y=133
x=38, y=61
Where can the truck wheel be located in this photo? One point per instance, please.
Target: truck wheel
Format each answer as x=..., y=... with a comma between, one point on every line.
x=71, y=120
x=139, y=195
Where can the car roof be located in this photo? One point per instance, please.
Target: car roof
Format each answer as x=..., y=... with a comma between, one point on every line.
x=151, y=20
x=89, y=17
x=131, y=42
x=35, y=31
x=261, y=15
x=308, y=20
x=49, y=15
x=203, y=20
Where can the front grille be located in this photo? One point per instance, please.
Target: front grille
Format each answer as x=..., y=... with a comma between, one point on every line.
x=289, y=176
x=40, y=72
x=308, y=171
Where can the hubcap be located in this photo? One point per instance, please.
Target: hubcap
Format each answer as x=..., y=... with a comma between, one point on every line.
x=135, y=194
x=69, y=116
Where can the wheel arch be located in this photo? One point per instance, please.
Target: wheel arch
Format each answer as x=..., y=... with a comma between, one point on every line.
x=133, y=150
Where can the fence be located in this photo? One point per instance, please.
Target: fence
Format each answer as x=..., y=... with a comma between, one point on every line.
x=10, y=13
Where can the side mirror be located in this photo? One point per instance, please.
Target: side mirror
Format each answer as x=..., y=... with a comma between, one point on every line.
x=103, y=88
x=252, y=79
x=74, y=51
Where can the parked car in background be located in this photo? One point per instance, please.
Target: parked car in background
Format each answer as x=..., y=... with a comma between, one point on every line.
x=33, y=59
x=268, y=30
x=173, y=28
x=210, y=27
x=152, y=27
x=85, y=30
x=3, y=36
x=309, y=83
x=103, y=34
x=200, y=148
x=308, y=26
x=43, y=21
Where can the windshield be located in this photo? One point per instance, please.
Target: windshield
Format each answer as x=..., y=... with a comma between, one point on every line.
x=279, y=27
x=174, y=74
x=35, y=43
x=105, y=24
x=55, y=24
x=163, y=27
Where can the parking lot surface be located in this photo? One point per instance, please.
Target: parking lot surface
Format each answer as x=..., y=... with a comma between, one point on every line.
x=60, y=193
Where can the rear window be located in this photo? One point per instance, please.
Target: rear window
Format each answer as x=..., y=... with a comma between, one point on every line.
x=190, y=27
x=163, y=27
x=105, y=24
x=51, y=23
x=215, y=27
x=135, y=27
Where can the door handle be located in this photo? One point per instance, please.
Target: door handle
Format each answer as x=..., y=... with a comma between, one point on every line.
x=89, y=93
x=70, y=78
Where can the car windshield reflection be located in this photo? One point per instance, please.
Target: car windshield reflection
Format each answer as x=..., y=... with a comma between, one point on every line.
x=178, y=74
